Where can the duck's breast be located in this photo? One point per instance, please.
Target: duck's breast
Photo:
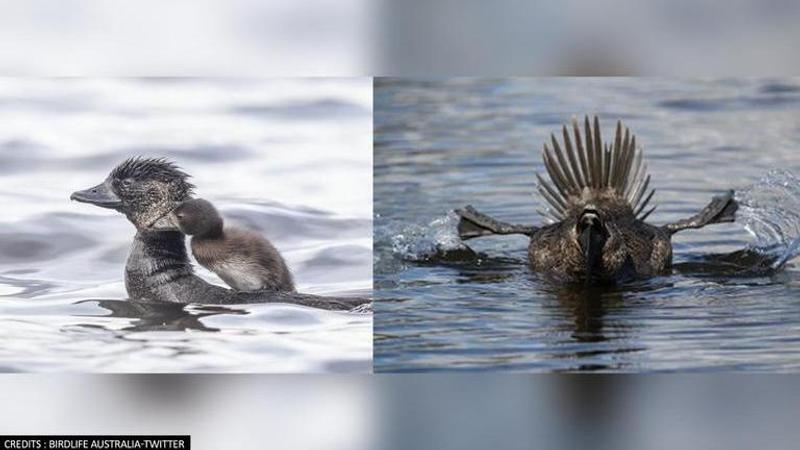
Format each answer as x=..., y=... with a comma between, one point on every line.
x=632, y=251
x=553, y=252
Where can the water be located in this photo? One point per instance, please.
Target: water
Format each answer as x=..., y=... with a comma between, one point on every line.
x=291, y=158
x=443, y=144
x=770, y=212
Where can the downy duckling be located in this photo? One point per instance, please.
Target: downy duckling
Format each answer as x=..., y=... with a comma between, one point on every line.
x=242, y=258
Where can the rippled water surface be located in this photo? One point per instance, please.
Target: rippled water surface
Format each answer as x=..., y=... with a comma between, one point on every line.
x=291, y=158
x=446, y=144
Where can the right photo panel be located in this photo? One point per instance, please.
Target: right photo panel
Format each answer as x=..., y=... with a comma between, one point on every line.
x=586, y=224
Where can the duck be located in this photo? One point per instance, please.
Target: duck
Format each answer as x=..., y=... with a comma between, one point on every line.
x=158, y=268
x=598, y=200
x=242, y=258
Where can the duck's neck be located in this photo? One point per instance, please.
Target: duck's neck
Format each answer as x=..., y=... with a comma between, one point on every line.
x=158, y=268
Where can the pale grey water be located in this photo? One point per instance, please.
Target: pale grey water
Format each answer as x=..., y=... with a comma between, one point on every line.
x=442, y=144
x=291, y=158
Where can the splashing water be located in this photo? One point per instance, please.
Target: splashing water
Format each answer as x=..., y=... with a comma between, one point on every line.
x=770, y=211
x=437, y=240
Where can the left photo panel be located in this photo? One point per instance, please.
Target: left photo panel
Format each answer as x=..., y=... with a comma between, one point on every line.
x=186, y=225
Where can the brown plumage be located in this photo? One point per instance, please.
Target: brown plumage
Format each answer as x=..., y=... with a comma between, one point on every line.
x=598, y=198
x=242, y=258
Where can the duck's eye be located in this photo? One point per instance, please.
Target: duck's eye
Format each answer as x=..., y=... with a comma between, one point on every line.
x=127, y=182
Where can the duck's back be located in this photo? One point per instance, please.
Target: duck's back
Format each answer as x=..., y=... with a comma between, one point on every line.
x=244, y=260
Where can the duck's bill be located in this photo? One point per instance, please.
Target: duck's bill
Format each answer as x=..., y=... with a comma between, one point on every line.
x=101, y=195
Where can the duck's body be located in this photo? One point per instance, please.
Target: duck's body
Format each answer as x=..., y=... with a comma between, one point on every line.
x=637, y=249
x=596, y=197
x=242, y=258
x=158, y=267
x=158, y=270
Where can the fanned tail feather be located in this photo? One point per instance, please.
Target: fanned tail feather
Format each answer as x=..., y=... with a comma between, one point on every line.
x=618, y=169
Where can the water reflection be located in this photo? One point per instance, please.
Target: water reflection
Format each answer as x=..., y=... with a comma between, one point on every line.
x=160, y=316
x=587, y=307
x=745, y=263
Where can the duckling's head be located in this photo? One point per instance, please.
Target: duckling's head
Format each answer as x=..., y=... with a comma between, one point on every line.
x=144, y=189
x=197, y=217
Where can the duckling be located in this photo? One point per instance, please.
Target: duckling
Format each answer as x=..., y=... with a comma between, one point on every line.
x=242, y=258
x=598, y=199
x=158, y=267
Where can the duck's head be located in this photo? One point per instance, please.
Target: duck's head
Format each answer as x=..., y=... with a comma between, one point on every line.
x=592, y=234
x=194, y=217
x=603, y=237
x=144, y=189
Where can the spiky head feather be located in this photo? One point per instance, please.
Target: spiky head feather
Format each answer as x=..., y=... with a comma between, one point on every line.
x=141, y=168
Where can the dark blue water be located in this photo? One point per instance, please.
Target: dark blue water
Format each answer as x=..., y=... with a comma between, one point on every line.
x=448, y=143
x=290, y=158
